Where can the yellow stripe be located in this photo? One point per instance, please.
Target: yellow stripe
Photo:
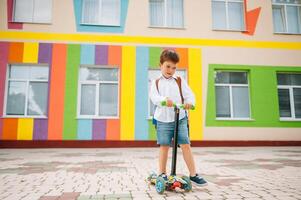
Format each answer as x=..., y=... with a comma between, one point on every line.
x=195, y=83
x=30, y=53
x=25, y=129
x=92, y=38
x=128, y=93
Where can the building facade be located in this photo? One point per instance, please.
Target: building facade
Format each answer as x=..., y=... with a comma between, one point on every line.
x=80, y=70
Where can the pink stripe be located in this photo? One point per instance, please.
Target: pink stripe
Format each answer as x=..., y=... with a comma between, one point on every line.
x=3, y=62
x=40, y=129
x=10, y=24
x=99, y=129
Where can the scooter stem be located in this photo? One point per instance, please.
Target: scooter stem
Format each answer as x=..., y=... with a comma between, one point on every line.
x=175, y=143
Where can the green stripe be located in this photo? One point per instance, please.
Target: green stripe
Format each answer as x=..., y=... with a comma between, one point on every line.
x=154, y=60
x=151, y=130
x=263, y=97
x=70, y=104
x=154, y=57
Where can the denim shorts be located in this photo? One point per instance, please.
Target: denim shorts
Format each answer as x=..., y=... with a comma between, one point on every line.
x=165, y=132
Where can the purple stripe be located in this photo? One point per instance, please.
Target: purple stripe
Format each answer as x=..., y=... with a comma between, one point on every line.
x=45, y=53
x=99, y=129
x=40, y=129
x=101, y=54
x=45, y=56
x=3, y=63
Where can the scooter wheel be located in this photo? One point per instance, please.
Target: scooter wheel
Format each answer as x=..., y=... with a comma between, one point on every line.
x=152, y=178
x=187, y=186
x=160, y=185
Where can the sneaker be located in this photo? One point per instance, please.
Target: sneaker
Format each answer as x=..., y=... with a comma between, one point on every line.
x=198, y=180
x=164, y=176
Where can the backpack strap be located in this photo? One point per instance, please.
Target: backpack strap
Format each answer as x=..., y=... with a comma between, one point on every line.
x=179, y=81
x=157, y=84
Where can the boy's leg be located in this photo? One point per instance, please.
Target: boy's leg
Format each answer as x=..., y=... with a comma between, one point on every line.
x=188, y=157
x=184, y=142
x=163, y=155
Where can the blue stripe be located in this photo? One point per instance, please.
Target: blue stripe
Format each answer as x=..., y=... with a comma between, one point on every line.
x=100, y=28
x=141, y=110
x=87, y=55
x=84, y=130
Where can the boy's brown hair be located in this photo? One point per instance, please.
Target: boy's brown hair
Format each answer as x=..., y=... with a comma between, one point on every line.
x=169, y=55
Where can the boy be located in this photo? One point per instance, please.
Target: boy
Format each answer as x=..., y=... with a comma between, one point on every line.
x=168, y=88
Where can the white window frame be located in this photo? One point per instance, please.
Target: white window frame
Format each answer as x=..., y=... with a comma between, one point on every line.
x=230, y=85
x=27, y=91
x=285, y=16
x=227, y=15
x=149, y=85
x=290, y=88
x=101, y=23
x=96, y=83
x=165, y=18
x=33, y=22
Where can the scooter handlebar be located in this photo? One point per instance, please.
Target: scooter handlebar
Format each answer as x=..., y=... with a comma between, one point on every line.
x=180, y=106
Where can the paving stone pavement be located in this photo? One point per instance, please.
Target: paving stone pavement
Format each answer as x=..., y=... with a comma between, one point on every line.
x=247, y=173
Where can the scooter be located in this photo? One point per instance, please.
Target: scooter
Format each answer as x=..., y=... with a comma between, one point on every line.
x=173, y=181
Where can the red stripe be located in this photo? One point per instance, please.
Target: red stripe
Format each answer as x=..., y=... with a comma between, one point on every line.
x=110, y=144
x=252, y=17
x=10, y=24
x=3, y=65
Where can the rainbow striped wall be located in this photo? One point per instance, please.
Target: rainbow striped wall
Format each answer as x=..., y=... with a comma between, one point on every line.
x=64, y=61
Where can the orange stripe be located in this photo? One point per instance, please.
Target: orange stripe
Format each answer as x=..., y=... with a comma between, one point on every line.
x=1, y=128
x=114, y=55
x=252, y=17
x=183, y=53
x=10, y=129
x=57, y=91
x=113, y=129
x=113, y=125
x=16, y=52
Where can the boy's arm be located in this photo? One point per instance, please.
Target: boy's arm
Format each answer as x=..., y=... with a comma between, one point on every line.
x=155, y=97
x=187, y=93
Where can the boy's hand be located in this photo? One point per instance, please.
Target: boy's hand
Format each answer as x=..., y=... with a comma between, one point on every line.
x=187, y=106
x=169, y=103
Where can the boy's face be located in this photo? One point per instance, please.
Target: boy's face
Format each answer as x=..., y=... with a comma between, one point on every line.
x=168, y=68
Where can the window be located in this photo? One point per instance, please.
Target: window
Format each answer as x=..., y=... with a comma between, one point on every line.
x=152, y=75
x=101, y=12
x=287, y=16
x=166, y=13
x=232, y=95
x=289, y=95
x=32, y=11
x=27, y=91
x=98, y=92
x=228, y=15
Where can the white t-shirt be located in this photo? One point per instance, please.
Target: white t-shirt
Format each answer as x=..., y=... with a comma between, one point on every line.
x=168, y=88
